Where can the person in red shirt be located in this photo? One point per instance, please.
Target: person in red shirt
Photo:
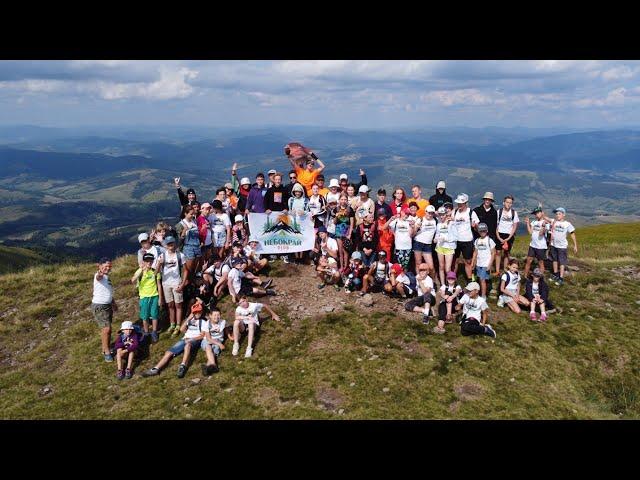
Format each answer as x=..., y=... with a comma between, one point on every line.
x=399, y=202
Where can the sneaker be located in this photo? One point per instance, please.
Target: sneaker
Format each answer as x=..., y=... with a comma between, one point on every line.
x=171, y=328
x=489, y=331
x=500, y=302
x=321, y=286
x=337, y=287
x=120, y=374
x=361, y=293
x=213, y=369
x=560, y=282
x=271, y=292
x=154, y=337
x=176, y=331
x=438, y=330
x=533, y=316
x=425, y=319
x=182, y=370
x=248, y=352
x=205, y=370
x=128, y=373
x=236, y=349
x=286, y=260
x=108, y=357
x=267, y=283
x=448, y=318
x=152, y=372
x=543, y=317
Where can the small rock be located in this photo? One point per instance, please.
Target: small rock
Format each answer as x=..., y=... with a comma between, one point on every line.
x=47, y=390
x=590, y=317
x=512, y=379
x=185, y=405
x=573, y=268
x=197, y=400
x=385, y=389
x=297, y=402
x=195, y=381
x=358, y=359
x=572, y=309
x=352, y=384
x=329, y=309
x=637, y=302
x=188, y=415
x=574, y=410
x=373, y=357
x=187, y=399
x=228, y=389
x=269, y=373
x=341, y=411
x=367, y=300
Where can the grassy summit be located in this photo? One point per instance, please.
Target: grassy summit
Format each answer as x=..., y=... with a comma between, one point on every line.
x=351, y=363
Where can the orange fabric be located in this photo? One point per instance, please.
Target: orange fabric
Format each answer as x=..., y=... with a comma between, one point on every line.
x=385, y=238
x=323, y=192
x=233, y=201
x=422, y=206
x=307, y=178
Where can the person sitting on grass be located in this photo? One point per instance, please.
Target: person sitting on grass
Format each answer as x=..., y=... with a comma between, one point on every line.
x=422, y=303
x=352, y=276
x=213, y=342
x=127, y=343
x=256, y=263
x=400, y=282
x=327, y=272
x=147, y=281
x=241, y=282
x=449, y=294
x=378, y=275
x=538, y=229
x=474, y=320
x=483, y=255
x=537, y=292
x=247, y=318
x=194, y=328
x=510, y=288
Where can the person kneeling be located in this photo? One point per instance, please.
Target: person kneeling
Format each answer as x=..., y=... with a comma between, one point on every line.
x=474, y=321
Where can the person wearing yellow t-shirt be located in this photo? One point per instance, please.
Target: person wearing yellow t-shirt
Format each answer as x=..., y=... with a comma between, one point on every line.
x=307, y=176
x=322, y=190
x=421, y=202
x=147, y=280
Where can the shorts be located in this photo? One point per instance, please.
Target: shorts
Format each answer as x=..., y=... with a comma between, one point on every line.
x=149, y=308
x=246, y=287
x=170, y=294
x=502, y=236
x=483, y=273
x=537, y=253
x=445, y=251
x=420, y=301
x=559, y=255
x=421, y=247
x=204, y=344
x=192, y=251
x=506, y=299
x=103, y=314
x=466, y=249
x=178, y=347
x=219, y=239
x=404, y=258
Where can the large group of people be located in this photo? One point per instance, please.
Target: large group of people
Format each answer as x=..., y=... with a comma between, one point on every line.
x=437, y=254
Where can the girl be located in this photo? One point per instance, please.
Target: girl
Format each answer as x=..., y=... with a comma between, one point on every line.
x=385, y=236
x=190, y=240
x=212, y=343
x=425, y=229
x=344, y=221
x=399, y=201
x=317, y=206
x=445, y=239
x=510, y=288
x=537, y=292
x=403, y=232
x=352, y=197
x=506, y=231
x=298, y=206
x=126, y=347
x=220, y=229
x=159, y=233
x=449, y=294
x=239, y=232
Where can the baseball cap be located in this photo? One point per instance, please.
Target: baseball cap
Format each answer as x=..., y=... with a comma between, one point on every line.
x=356, y=255
x=245, y=181
x=238, y=218
x=363, y=189
x=441, y=184
x=229, y=186
x=448, y=205
x=343, y=176
x=191, y=190
x=334, y=183
x=322, y=228
x=462, y=198
x=431, y=208
x=148, y=257
x=537, y=272
x=382, y=191
x=442, y=211
x=237, y=261
x=482, y=227
x=560, y=209
x=382, y=253
x=196, y=307
x=217, y=204
x=237, y=244
x=126, y=325
x=536, y=210
x=472, y=286
x=488, y=195
x=451, y=275
x=205, y=205
x=396, y=268
x=143, y=237
x=169, y=240
x=271, y=172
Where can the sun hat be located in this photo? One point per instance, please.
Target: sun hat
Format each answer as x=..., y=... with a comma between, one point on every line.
x=363, y=189
x=462, y=198
x=451, y=276
x=245, y=181
x=143, y=237
x=238, y=218
x=560, y=209
x=431, y=208
x=228, y=185
x=442, y=211
x=356, y=255
x=205, y=205
x=126, y=325
x=482, y=227
x=537, y=272
x=441, y=184
x=472, y=286
x=168, y=240
x=297, y=188
x=196, y=307
x=488, y=195
x=344, y=176
x=536, y=210
x=271, y=172
x=396, y=268
x=148, y=257
x=334, y=183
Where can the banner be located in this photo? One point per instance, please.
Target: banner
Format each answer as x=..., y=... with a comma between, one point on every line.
x=282, y=233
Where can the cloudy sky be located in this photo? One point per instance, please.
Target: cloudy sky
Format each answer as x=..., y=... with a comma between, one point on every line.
x=325, y=93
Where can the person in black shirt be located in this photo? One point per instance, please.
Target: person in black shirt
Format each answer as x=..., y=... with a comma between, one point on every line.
x=381, y=204
x=187, y=199
x=277, y=197
x=487, y=214
x=440, y=198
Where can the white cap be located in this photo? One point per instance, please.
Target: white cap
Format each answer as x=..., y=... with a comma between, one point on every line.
x=431, y=208
x=254, y=239
x=462, y=198
x=245, y=181
x=126, y=325
x=472, y=286
x=239, y=218
x=143, y=237
x=363, y=189
x=441, y=184
x=272, y=171
x=334, y=183
x=442, y=211
x=344, y=176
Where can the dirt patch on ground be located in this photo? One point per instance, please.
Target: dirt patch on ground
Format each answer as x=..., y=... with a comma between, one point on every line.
x=266, y=397
x=629, y=271
x=417, y=348
x=468, y=391
x=329, y=398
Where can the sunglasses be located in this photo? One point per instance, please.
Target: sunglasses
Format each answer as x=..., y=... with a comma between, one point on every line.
x=292, y=178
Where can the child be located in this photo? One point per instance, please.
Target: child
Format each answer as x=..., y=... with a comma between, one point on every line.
x=507, y=226
x=220, y=229
x=378, y=275
x=366, y=232
x=327, y=271
x=483, y=256
x=353, y=275
x=510, y=288
x=538, y=245
x=240, y=282
x=317, y=207
x=422, y=303
x=401, y=282
x=212, y=344
x=146, y=247
x=126, y=345
x=385, y=236
x=446, y=242
x=238, y=231
x=325, y=245
x=148, y=283
x=368, y=255
x=299, y=207
x=251, y=251
x=422, y=242
x=559, y=244
x=474, y=321
x=403, y=231
x=449, y=294
x=171, y=272
x=247, y=318
x=537, y=292
x=194, y=329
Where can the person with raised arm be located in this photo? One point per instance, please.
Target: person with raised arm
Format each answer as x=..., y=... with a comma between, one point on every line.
x=103, y=306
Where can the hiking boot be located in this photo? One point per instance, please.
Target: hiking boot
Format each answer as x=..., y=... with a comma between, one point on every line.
x=533, y=316
x=108, y=357
x=171, y=328
x=236, y=349
x=248, y=352
x=560, y=282
x=182, y=370
x=271, y=292
x=205, y=370
x=212, y=369
x=321, y=286
x=489, y=331
x=128, y=373
x=120, y=374
x=543, y=317
x=425, y=319
x=361, y=293
x=154, y=337
x=152, y=372
x=266, y=283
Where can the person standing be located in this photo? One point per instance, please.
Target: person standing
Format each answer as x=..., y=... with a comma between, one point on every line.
x=422, y=203
x=488, y=215
x=440, y=197
x=187, y=199
x=255, y=200
x=506, y=231
x=382, y=205
x=465, y=221
x=103, y=306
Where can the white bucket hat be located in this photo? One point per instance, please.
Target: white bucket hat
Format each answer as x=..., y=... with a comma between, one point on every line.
x=239, y=218
x=363, y=189
x=334, y=183
x=126, y=325
x=462, y=198
x=245, y=181
x=344, y=176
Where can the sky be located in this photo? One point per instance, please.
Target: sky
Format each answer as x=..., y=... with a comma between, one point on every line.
x=338, y=93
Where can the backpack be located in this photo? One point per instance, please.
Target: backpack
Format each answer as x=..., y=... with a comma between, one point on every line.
x=413, y=283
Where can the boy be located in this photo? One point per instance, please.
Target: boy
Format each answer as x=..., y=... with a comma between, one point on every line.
x=422, y=303
x=401, y=282
x=538, y=245
x=378, y=274
x=247, y=318
x=559, y=244
x=449, y=295
x=474, y=321
x=368, y=255
x=251, y=251
x=510, y=288
x=240, y=282
x=366, y=232
x=194, y=329
x=483, y=256
x=326, y=246
x=170, y=268
x=146, y=247
x=126, y=346
x=353, y=274
x=327, y=271
x=147, y=281
x=212, y=344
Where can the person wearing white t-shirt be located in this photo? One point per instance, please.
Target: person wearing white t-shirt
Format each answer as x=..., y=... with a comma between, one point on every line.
x=217, y=275
x=445, y=239
x=170, y=265
x=220, y=229
x=474, y=320
x=241, y=282
x=559, y=244
x=483, y=255
x=425, y=229
x=510, y=288
x=465, y=220
x=252, y=251
x=247, y=319
x=506, y=231
x=146, y=247
x=103, y=306
x=212, y=343
x=538, y=229
x=403, y=232
x=425, y=299
x=325, y=245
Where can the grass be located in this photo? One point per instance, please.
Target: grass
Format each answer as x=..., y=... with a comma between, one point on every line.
x=349, y=364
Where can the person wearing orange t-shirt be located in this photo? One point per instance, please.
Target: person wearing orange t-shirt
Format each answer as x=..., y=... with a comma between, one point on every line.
x=322, y=190
x=422, y=203
x=307, y=176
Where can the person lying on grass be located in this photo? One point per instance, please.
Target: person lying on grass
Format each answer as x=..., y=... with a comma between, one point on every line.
x=474, y=320
x=449, y=295
x=212, y=344
x=126, y=346
x=422, y=303
x=510, y=288
x=247, y=319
